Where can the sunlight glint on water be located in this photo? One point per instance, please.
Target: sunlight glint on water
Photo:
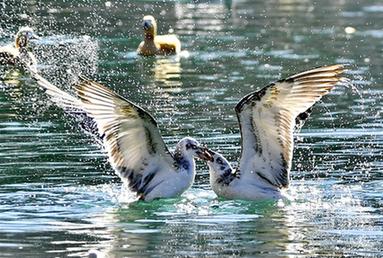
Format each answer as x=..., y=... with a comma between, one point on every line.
x=60, y=197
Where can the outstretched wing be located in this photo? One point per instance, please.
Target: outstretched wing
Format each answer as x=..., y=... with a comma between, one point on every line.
x=70, y=104
x=58, y=96
x=267, y=119
x=135, y=147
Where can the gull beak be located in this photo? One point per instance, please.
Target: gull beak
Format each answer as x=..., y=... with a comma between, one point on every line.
x=205, y=154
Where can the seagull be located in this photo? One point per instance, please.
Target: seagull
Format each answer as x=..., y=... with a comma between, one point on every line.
x=267, y=119
x=19, y=54
x=154, y=44
x=132, y=140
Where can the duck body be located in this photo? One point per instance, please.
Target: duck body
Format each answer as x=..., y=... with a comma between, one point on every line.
x=154, y=44
x=19, y=54
x=169, y=44
x=8, y=55
x=17, y=57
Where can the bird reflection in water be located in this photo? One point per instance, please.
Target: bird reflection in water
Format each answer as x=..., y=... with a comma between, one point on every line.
x=168, y=71
x=11, y=81
x=129, y=230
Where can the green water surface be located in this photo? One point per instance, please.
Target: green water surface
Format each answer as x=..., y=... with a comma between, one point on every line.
x=59, y=196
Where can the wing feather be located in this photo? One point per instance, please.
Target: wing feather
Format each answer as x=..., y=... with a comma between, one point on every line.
x=131, y=136
x=267, y=119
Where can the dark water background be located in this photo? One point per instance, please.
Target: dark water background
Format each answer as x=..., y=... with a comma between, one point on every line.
x=58, y=195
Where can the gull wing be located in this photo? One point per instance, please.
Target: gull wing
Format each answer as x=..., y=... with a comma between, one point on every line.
x=70, y=104
x=131, y=137
x=267, y=118
x=58, y=96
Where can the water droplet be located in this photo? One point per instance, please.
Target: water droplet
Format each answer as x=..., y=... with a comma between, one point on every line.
x=108, y=4
x=349, y=30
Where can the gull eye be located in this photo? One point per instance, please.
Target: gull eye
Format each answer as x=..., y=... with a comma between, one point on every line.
x=188, y=146
x=219, y=161
x=194, y=147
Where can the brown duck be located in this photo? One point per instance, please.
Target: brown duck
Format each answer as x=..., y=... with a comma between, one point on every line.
x=154, y=44
x=19, y=54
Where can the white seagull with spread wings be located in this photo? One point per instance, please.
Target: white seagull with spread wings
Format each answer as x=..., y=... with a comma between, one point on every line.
x=267, y=119
x=132, y=140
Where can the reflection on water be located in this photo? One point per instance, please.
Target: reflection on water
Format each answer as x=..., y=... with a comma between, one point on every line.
x=202, y=17
x=200, y=224
x=168, y=72
x=59, y=196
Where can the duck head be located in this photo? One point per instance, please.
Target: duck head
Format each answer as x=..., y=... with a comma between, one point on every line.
x=150, y=27
x=23, y=36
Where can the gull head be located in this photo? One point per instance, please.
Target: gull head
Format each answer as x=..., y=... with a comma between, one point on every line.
x=216, y=162
x=192, y=148
x=23, y=36
x=150, y=26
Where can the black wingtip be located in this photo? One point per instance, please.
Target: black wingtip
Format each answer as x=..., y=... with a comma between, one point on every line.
x=257, y=95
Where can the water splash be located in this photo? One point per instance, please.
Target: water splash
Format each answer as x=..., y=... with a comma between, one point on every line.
x=63, y=57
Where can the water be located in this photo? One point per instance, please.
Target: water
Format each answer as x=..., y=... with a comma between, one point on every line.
x=59, y=197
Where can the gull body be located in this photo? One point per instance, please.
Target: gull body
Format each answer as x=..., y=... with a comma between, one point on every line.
x=226, y=182
x=267, y=119
x=154, y=44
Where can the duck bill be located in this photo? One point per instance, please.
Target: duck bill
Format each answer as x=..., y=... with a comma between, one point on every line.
x=146, y=25
x=204, y=154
